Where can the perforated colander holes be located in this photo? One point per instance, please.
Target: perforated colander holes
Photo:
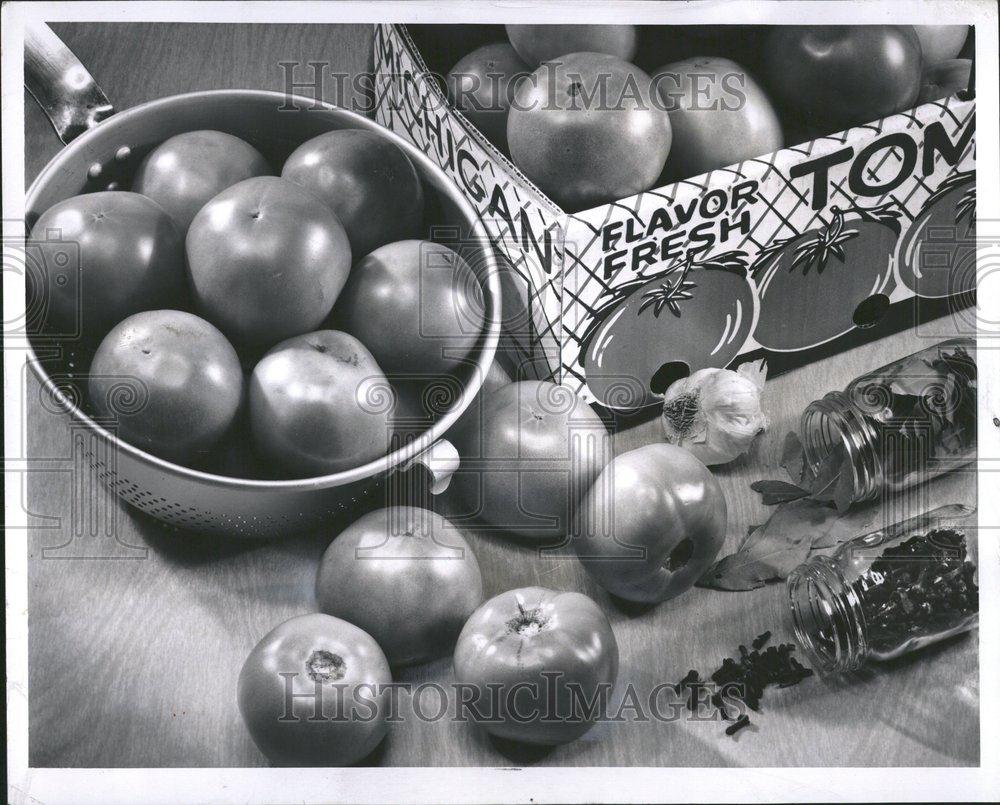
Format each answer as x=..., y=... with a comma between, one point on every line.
x=173, y=512
x=176, y=513
x=161, y=508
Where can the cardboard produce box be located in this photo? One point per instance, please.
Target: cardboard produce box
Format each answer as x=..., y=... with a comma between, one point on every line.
x=791, y=256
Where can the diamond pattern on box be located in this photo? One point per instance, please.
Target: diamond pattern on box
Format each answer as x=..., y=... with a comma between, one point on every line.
x=782, y=208
x=763, y=259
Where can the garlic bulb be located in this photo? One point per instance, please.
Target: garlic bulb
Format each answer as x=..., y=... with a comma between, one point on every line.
x=715, y=413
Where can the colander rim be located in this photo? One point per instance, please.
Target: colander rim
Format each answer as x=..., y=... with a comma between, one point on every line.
x=428, y=168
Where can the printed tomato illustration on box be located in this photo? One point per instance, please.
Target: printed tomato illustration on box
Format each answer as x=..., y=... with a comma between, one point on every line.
x=692, y=313
x=936, y=258
x=848, y=259
x=773, y=257
x=791, y=256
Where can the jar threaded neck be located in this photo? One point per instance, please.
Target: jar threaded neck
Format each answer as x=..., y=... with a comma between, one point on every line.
x=827, y=616
x=834, y=420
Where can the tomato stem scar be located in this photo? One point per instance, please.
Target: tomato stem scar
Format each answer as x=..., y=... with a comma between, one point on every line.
x=324, y=666
x=528, y=622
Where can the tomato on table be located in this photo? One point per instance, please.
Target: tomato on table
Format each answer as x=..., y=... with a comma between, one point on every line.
x=406, y=576
x=532, y=652
x=652, y=524
x=312, y=693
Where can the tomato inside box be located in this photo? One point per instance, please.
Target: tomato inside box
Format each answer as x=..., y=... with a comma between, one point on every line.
x=792, y=254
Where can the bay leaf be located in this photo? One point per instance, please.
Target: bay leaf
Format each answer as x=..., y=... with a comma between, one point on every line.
x=771, y=551
x=842, y=527
x=793, y=457
x=843, y=494
x=773, y=492
x=750, y=530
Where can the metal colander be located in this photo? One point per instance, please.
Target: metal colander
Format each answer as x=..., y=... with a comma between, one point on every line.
x=109, y=151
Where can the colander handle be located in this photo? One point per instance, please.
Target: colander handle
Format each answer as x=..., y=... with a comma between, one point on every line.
x=440, y=460
x=63, y=87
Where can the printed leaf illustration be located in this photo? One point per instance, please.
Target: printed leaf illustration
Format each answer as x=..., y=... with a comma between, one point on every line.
x=886, y=214
x=967, y=205
x=825, y=242
x=669, y=293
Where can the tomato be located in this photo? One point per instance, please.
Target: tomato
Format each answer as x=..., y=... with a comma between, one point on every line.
x=368, y=182
x=937, y=255
x=319, y=403
x=183, y=173
x=415, y=304
x=940, y=43
x=481, y=86
x=267, y=260
x=405, y=576
x=850, y=260
x=540, y=43
x=652, y=524
x=535, y=647
x=718, y=115
x=528, y=458
x=586, y=130
x=168, y=382
x=838, y=76
x=693, y=314
x=495, y=379
x=312, y=693
x=944, y=79
x=106, y=256
x=421, y=400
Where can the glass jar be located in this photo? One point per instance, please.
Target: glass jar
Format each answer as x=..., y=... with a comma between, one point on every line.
x=887, y=593
x=900, y=425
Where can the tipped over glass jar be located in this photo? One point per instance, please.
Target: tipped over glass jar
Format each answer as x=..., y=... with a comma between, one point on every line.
x=893, y=591
x=902, y=424
x=889, y=592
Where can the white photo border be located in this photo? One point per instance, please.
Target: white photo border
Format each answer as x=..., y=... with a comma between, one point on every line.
x=504, y=784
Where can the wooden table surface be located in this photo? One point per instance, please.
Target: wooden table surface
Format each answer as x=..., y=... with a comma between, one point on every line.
x=134, y=659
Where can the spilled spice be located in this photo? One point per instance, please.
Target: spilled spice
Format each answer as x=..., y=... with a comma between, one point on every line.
x=746, y=677
x=736, y=726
